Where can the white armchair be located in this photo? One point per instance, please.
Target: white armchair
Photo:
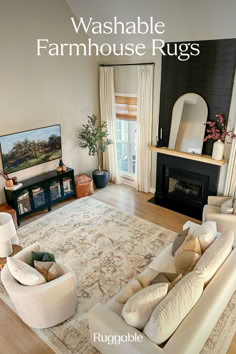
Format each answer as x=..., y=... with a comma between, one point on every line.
x=45, y=305
x=211, y=212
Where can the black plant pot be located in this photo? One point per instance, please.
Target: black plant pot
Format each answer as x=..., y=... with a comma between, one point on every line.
x=100, y=178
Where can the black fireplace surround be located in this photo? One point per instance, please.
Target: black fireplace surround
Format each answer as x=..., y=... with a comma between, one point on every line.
x=183, y=185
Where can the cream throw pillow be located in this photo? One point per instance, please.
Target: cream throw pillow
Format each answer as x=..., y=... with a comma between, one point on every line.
x=215, y=255
x=139, y=307
x=24, y=273
x=206, y=233
x=131, y=288
x=171, y=311
x=169, y=278
x=227, y=207
x=187, y=255
x=50, y=270
x=145, y=278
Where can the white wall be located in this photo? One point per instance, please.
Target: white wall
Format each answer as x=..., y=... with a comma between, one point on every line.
x=185, y=20
x=40, y=91
x=126, y=82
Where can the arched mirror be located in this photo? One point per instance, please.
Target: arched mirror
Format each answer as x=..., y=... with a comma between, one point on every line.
x=189, y=115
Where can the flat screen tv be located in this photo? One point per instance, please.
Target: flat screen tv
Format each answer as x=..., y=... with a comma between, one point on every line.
x=30, y=148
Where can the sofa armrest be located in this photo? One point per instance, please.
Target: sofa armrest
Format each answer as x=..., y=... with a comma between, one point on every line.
x=103, y=322
x=217, y=201
x=224, y=222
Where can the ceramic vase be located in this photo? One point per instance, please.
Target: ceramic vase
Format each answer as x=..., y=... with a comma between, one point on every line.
x=218, y=150
x=9, y=182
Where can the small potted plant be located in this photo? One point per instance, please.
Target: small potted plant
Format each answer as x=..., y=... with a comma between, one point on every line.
x=94, y=136
x=218, y=131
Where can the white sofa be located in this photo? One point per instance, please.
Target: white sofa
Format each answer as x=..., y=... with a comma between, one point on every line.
x=45, y=305
x=191, y=334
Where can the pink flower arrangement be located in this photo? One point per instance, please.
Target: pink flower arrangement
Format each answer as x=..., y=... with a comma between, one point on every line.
x=217, y=130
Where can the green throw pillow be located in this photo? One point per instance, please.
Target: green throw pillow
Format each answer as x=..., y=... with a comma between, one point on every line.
x=42, y=257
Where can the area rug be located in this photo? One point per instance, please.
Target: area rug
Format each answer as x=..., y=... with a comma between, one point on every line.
x=106, y=248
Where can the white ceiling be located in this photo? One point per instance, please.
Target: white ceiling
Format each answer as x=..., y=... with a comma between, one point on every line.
x=184, y=19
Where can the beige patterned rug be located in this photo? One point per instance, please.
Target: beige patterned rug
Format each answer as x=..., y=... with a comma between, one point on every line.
x=106, y=248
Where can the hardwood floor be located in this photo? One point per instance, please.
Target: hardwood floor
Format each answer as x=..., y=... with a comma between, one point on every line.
x=129, y=200
x=15, y=336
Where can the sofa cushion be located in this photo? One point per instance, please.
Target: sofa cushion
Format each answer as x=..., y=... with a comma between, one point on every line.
x=180, y=238
x=164, y=262
x=24, y=273
x=50, y=270
x=206, y=233
x=215, y=255
x=131, y=288
x=227, y=207
x=171, y=311
x=139, y=307
x=187, y=255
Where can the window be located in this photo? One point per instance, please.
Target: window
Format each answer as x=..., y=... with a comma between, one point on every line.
x=126, y=111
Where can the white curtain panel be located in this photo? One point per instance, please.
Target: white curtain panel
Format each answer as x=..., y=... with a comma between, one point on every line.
x=144, y=127
x=108, y=114
x=230, y=184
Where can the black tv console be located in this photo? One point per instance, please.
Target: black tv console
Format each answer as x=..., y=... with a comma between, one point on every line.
x=41, y=192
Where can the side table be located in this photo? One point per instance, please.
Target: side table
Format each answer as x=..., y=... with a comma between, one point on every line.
x=84, y=185
x=5, y=208
x=16, y=249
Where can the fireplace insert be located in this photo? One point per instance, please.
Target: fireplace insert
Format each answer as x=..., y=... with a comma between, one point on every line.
x=183, y=185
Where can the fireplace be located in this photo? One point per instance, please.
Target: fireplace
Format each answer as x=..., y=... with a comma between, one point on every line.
x=183, y=185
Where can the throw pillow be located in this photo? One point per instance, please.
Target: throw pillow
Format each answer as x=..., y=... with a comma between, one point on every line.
x=43, y=257
x=145, y=278
x=169, y=278
x=139, y=307
x=206, y=233
x=131, y=288
x=24, y=273
x=50, y=270
x=180, y=238
x=187, y=255
x=215, y=256
x=171, y=311
x=227, y=207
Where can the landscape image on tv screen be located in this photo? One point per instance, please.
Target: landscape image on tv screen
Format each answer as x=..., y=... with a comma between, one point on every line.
x=30, y=148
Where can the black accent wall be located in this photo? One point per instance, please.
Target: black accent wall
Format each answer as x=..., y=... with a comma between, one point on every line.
x=210, y=74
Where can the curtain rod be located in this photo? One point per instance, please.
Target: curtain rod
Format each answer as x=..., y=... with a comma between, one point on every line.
x=104, y=65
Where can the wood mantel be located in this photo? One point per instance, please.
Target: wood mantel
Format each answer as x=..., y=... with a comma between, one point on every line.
x=186, y=155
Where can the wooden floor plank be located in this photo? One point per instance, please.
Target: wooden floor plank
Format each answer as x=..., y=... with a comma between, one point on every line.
x=16, y=337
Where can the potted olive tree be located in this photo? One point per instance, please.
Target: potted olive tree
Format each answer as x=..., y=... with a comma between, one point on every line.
x=94, y=136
